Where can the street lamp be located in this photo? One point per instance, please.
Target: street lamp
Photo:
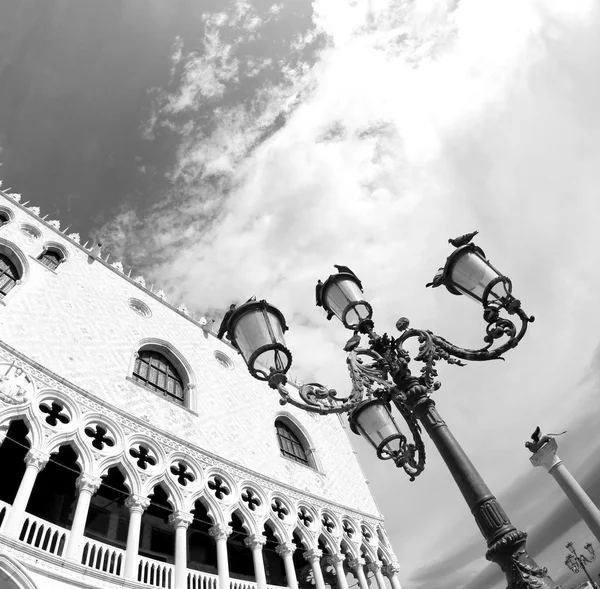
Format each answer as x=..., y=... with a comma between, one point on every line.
x=577, y=562
x=381, y=377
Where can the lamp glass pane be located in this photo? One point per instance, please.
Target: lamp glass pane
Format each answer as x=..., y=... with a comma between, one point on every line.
x=375, y=423
x=471, y=274
x=251, y=332
x=339, y=294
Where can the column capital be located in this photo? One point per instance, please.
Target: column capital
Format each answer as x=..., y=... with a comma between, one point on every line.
x=36, y=458
x=220, y=531
x=374, y=567
x=546, y=456
x=88, y=483
x=255, y=541
x=391, y=569
x=137, y=503
x=285, y=549
x=181, y=519
x=355, y=563
x=336, y=559
x=312, y=555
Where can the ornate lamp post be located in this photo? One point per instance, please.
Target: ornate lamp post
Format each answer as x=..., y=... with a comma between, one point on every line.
x=577, y=562
x=381, y=378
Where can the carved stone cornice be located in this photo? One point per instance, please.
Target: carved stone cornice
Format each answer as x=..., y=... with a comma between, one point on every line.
x=181, y=519
x=88, y=483
x=220, y=531
x=312, y=555
x=255, y=541
x=285, y=549
x=36, y=458
x=136, y=503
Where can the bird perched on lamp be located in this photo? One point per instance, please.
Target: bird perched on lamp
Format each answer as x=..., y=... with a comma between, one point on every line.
x=346, y=270
x=463, y=239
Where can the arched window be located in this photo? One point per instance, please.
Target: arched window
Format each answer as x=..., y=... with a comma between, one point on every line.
x=51, y=258
x=155, y=372
x=290, y=444
x=4, y=218
x=8, y=275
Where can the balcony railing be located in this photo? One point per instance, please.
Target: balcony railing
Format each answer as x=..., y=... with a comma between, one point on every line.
x=52, y=539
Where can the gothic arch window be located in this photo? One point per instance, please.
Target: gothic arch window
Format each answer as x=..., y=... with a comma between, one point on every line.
x=9, y=275
x=51, y=258
x=292, y=443
x=153, y=370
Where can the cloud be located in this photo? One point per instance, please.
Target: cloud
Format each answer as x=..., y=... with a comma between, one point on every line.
x=375, y=133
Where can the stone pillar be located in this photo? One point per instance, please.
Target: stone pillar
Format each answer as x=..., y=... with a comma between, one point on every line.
x=220, y=533
x=356, y=565
x=35, y=461
x=391, y=572
x=337, y=560
x=547, y=457
x=87, y=485
x=136, y=505
x=375, y=568
x=286, y=550
x=256, y=542
x=314, y=558
x=181, y=520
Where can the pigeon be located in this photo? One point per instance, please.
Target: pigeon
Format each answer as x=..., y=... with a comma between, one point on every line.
x=225, y=321
x=352, y=343
x=346, y=270
x=318, y=290
x=463, y=239
x=437, y=279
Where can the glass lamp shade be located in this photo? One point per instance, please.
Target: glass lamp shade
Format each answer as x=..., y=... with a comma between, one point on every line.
x=569, y=546
x=342, y=296
x=590, y=548
x=256, y=329
x=373, y=421
x=572, y=563
x=468, y=272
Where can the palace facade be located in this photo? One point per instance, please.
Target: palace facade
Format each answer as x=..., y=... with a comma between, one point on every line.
x=137, y=451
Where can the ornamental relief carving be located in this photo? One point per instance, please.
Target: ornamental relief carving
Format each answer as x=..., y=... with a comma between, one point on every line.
x=109, y=425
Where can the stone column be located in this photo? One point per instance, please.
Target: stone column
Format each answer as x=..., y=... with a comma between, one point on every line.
x=314, y=558
x=337, y=560
x=136, y=505
x=375, y=568
x=547, y=457
x=391, y=572
x=220, y=533
x=286, y=550
x=256, y=542
x=87, y=485
x=181, y=520
x=356, y=565
x=35, y=461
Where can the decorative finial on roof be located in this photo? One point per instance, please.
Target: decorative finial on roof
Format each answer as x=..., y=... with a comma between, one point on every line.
x=183, y=309
x=74, y=237
x=161, y=294
x=55, y=224
x=118, y=265
x=140, y=280
x=35, y=210
x=14, y=195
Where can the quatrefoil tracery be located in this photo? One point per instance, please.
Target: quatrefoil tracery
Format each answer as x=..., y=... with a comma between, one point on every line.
x=251, y=498
x=219, y=487
x=144, y=456
x=55, y=413
x=183, y=473
x=100, y=436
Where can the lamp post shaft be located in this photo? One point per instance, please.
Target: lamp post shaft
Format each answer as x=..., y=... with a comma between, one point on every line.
x=506, y=544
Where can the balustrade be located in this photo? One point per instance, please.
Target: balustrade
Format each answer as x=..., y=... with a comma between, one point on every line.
x=200, y=580
x=155, y=573
x=43, y=535
x=103, y=557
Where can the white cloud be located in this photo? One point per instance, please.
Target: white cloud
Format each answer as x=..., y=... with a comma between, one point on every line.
x=418, y=122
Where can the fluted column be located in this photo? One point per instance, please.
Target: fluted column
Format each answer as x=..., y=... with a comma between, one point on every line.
x=35, y=461
x=136, y=505
x=286, y=550
x=547, y=456
x=181, y=520
x=356, y=566
x=375, y=568
x=220, y=533
x=314, y=558
x=337, y=560
x=391, y=572
x=87, y=485
x=256, y=542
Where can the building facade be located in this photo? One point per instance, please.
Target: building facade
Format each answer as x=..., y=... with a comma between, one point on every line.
x=137, y=451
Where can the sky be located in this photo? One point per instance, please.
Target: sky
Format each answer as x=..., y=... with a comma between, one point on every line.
x=225, y=149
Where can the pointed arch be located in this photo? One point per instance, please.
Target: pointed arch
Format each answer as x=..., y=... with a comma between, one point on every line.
x=305, y=537
x=294, y=441
x=16, y=264
x=15, y=574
